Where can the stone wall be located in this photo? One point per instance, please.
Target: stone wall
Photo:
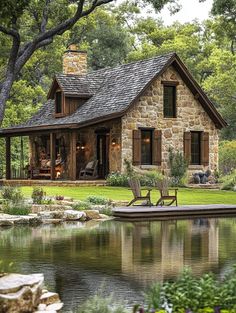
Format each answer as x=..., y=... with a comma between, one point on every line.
x=148, y=112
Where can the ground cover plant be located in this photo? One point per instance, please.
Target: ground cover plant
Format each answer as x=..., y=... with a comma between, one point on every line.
x=188, y=294
x=14, y=202
x=185, y=195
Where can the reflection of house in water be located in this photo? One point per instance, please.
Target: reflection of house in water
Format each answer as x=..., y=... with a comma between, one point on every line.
x=158, y=251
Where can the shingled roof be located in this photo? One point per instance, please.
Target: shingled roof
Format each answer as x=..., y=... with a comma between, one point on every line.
x=111, y=91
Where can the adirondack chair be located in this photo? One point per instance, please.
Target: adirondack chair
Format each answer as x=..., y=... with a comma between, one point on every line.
x=164, y=193
x=90, y=171
x=134, y=184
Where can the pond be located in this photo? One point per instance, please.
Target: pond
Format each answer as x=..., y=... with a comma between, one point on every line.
x=122, y=257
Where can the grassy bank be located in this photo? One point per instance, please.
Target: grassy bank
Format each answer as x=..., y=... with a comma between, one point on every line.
x=185, y=195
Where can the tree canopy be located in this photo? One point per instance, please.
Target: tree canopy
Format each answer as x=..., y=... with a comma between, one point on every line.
x=35, y=33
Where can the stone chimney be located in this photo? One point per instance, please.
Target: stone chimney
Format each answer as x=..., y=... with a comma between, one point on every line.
x=75, y=61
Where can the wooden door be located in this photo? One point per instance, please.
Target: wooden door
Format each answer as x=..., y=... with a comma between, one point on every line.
x=103, y=155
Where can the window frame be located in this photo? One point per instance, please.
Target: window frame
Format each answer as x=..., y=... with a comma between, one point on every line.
x=62, y=113
x=199, y=147
x=173, y=85
x=150, y=130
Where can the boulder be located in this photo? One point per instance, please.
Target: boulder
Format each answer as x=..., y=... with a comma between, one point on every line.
x=49, y=298
x=23, y=220
x=35, y=220
x=105, y=217
x=5, y=222
x=48, y=215
x=38, y=208
x=20, y=293
x=92, y=214
x=57, y=306
x=73, y=215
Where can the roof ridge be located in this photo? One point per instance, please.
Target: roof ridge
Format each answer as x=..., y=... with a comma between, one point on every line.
x=108, y=68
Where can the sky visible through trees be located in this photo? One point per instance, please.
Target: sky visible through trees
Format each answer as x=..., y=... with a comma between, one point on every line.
x=117, y=34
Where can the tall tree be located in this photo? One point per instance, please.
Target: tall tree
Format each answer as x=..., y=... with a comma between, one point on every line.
x=46, y=20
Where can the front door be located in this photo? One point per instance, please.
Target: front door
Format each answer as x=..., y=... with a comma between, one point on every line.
x=102, y=154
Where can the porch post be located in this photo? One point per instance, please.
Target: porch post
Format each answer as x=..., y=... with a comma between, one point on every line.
x=72, y=165
x=52, y=155
x=8, y=157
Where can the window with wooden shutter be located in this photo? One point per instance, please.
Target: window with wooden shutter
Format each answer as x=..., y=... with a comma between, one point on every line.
x=146, y=146
x=187, y=146
x=205, y=148
x=136, y=147
x=156, y=150
x=196, y=147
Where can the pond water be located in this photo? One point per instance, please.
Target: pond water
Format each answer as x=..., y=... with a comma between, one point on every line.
x=122, y=257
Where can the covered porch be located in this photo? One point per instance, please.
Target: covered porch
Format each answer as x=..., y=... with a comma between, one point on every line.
x=63, y=154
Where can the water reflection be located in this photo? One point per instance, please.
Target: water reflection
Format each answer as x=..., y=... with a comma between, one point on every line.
x=76, y=258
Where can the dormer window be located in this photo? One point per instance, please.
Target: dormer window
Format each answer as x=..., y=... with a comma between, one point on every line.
x=58, y=102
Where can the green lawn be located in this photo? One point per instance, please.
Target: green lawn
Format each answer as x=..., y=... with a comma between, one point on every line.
x=185, y=196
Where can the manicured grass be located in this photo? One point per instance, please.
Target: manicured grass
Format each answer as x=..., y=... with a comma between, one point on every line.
x=185, y=195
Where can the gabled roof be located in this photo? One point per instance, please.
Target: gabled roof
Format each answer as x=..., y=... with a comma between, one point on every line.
x=112, y=91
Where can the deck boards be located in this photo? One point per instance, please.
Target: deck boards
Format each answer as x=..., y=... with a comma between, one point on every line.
x=143, y=212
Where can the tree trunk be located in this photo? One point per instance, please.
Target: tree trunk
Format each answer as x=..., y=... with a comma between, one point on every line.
x=4, y=95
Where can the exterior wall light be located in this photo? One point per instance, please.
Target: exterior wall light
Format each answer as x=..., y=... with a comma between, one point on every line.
x=114, y=142
x=80, y=146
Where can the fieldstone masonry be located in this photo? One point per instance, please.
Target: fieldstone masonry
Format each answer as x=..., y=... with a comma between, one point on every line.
x=75, y=61
x=148, y=112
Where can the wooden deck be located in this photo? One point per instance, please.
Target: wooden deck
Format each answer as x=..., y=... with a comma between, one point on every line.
x=58, y=183
x=172, y=212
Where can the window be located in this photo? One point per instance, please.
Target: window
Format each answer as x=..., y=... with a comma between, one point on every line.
x=58, y=102
x=169, y=106
x=196, y=148
x=146, y=147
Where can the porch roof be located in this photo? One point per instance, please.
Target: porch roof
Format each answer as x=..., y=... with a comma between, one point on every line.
x=112, y=91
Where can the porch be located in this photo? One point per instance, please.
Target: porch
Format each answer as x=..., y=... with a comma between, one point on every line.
x=56, y=183
x=61, y=155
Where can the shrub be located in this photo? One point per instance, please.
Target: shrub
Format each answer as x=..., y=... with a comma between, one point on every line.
x=16, y=209
x=129, y=168
x=81, y=206
x=117, y=179
x=101, y=304
x=38, y=195
x=196, y=294
x=12, y=194
x=106, y=210
x=150, y=178
x=178, y=167
x=227, y=156
x=229, y=181
x=98, y=200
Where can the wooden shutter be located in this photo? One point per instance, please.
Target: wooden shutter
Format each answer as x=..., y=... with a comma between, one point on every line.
x=187, y=146
x=156, y=148
x=136, y=147
x=205, y=148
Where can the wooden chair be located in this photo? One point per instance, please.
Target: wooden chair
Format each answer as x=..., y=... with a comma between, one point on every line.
x=164, y=192
x=90, y=171
x=134, y=184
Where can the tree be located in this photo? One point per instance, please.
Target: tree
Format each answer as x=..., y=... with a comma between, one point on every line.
x=43, y=12
x=226, y=10
x=46, y=19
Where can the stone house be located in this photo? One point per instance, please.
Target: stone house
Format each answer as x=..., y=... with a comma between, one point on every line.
x=136, y=111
